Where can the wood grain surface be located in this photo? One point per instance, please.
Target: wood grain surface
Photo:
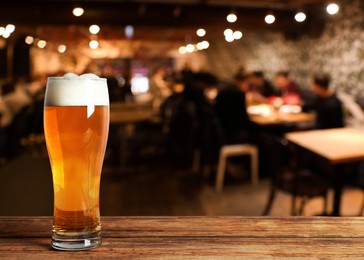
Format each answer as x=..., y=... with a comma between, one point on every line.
x=338, y=145
x=195, y=238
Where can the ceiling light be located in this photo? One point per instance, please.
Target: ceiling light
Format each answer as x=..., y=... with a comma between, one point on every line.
x=201, y=32
x=229, y=38
x=62, y=48
x=237, y=35
x=190, y=48
x=332, y=8
x=231, y=18
x=182, y=50
x=2, y=30
x=269, y=18
x=228, y=32
x=199, y=46
x=94, y=44
x=29, y=40
x=78, y=11
x=94, y=29
x=10, y=28
x=300, y=17
x=205, y=44
x=41, y=44
x=6, y=34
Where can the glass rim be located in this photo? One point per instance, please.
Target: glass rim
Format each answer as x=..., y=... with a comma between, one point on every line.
x=75, y=78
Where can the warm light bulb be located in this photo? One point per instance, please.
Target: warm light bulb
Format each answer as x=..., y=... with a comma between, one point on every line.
x=205, y=44
x=29, y=40
x=2, y=30
x=10, y=28
x=269, y=19
x=182, y=50
x=190, y=48
x=237, y=35
x=78, y=11
x=62, y=48
x=94, y=29
x=94, y=44
x=231, y=18
x=201, y=32
x=199, y=46
x=229, y=38
x=300, y=17
x=6, y=34
x=228, y=32
x=332, y=8
x=41, y=44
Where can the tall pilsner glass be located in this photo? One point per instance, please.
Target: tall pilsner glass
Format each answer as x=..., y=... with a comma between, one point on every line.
x=76, y=126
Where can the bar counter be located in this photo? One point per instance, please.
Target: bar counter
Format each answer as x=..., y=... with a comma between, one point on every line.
x=195, y=238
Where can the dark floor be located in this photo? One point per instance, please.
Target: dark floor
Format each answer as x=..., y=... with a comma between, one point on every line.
x=153, y=189
x=149, y=181
x=26, y=189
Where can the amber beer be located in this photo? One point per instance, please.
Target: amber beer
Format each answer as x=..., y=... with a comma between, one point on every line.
x=76, y=123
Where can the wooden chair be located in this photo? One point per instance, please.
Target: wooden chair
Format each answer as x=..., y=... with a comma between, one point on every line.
x=289, y=177
x=236, y=150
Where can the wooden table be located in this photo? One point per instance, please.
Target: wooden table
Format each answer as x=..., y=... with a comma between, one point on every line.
x=337, y=146
x=195, y=238
x=268, y=116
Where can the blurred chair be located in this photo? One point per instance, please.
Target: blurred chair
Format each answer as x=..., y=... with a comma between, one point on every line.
x=289, y=177
x=236, y=150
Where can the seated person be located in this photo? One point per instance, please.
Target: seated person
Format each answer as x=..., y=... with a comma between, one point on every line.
x=287, y=89
x=230, y=108
x=260, y=85
x=328, y=108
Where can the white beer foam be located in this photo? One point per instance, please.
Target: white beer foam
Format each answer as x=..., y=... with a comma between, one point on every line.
x=73, y=90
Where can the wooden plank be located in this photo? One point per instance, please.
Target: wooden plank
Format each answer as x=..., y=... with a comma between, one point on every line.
x=182, y=248
x=195, y=238
x=113, y=227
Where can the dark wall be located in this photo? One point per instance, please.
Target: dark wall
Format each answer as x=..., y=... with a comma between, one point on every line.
x=21, y=58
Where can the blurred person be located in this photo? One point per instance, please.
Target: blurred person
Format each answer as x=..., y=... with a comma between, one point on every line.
x=159, y=87
x=231, y=110
x=13, y=102
x=186, y=71
x=124, y=81
x=21, y=114
x=112, y=83
x=328, y=108
x=261, y=85
x=287, y=89
x=190, y=121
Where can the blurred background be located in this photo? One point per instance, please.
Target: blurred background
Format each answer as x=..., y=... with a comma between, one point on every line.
x=151, y=51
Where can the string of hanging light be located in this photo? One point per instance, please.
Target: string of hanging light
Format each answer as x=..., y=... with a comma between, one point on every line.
x=230, y=35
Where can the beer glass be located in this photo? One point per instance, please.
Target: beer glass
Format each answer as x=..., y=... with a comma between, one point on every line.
x=76, y=126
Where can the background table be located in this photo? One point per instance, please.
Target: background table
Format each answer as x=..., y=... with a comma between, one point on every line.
x=338, y=146
x=266, y=115
x=194, y=238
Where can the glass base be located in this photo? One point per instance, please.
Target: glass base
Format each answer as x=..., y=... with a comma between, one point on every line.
x=76, y=242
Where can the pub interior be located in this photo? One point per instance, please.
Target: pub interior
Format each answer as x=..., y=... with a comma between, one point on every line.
x=208, y=116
